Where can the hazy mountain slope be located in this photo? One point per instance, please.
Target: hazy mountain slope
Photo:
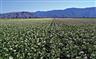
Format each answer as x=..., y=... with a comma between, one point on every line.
x=17, y=15
x=70, y=13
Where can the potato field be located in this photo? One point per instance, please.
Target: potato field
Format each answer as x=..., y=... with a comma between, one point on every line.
x=47, y=38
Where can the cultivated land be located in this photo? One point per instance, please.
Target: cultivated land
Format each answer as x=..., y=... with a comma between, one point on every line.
x=47, y=38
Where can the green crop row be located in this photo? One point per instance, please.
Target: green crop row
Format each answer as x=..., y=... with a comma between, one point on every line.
x=47, y=41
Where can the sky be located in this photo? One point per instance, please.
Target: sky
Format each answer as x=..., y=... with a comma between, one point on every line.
x=43, y=5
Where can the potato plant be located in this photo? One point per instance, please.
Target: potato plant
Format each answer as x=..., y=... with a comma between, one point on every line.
x=52, y=40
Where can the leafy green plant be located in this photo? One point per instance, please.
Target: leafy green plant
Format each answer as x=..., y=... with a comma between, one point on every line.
x=45, y=40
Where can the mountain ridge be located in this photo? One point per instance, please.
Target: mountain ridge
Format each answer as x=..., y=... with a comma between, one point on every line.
x=66, y=13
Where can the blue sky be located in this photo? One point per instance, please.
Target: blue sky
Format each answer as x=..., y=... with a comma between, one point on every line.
x=43, y=5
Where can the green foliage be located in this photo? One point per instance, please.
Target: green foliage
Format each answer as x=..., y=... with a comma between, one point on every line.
x=45, y=40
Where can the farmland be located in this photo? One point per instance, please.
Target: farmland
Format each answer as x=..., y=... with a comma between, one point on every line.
x=48, y=38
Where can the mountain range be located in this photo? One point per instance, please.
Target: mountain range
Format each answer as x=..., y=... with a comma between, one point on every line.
x=66, y=13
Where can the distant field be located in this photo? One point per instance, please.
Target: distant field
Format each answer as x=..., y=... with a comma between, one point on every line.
x=34, y=21
x=48, y=38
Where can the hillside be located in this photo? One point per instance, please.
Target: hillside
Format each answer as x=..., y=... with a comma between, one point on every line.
x=67, y=13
